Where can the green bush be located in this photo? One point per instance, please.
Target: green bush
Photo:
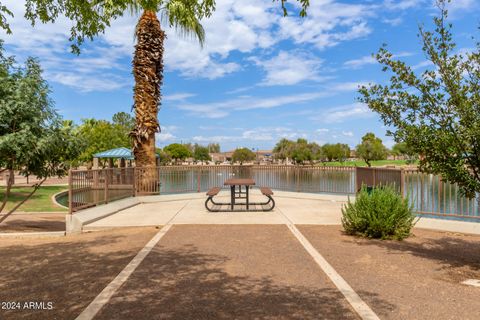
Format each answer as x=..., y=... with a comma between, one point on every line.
x=381, y=213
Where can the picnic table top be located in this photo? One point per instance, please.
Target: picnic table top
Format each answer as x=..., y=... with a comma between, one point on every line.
x=239, y=182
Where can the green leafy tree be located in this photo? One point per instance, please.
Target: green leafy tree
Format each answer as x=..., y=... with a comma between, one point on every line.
x=33, y=139
x=436, y=112
x=336, y=152
x=301, y=152
x=178, y=151
x=283, y=149
x=163, y=157
x=371, y=149
x=91, y=18
x=201, y=153
x=243, y=155
x=101, y=135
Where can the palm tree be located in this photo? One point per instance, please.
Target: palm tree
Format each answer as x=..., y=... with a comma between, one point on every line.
x=148, y=67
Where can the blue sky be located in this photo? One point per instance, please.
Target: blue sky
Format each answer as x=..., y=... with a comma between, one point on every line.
x=259, y=77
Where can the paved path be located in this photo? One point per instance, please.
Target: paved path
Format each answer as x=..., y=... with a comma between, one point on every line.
x=228, y=272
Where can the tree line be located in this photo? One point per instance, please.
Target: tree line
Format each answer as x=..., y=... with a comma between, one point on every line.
x=370, y=149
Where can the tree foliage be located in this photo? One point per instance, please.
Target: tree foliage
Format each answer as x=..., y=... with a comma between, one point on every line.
x=101, y=135
x=436, y=112
x=178, y=151
x=243, y=155
x=33, y=139
x=335, y=152
x=201, y=153
x=371, y=148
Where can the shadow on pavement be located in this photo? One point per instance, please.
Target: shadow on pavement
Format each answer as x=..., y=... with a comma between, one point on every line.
x=186, y=284
x=68, y=272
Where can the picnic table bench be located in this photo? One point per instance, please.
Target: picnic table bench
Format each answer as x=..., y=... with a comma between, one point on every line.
x=234, y=205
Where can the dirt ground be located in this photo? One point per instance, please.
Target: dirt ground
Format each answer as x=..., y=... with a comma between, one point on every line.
x=228, y=272
x=418, y=278
x=68, y=272
x=241, y=272
x=34, y=222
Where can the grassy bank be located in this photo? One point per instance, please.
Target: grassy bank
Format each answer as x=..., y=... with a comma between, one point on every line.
x=41, y=201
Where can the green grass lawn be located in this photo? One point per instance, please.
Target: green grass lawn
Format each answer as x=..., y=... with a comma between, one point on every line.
x=41, y=201
x=361, y=163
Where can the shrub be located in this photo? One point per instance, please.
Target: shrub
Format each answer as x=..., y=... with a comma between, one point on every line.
x=381, y=213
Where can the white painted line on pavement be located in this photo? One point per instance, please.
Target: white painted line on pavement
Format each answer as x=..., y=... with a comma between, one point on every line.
x=360, y=307
x=107, y=293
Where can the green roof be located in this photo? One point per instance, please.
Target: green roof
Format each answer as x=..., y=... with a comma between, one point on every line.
x=119, y=153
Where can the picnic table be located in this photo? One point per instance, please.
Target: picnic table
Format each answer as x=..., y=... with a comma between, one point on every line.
x=234, y=194
x=239, y=193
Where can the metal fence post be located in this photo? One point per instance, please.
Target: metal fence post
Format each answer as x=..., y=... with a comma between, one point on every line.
x=70, y=192
x=198, y=180
x=106, y=185
x=402, y=183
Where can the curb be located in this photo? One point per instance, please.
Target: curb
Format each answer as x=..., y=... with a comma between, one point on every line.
x=54, y=198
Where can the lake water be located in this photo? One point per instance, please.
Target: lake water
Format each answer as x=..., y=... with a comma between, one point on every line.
x=427, y=193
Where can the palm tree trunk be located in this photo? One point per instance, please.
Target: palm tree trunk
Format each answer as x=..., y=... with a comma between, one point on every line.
x=148, y=74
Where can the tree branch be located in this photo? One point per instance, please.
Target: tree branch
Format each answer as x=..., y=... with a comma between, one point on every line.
x=7, y=191
x=23, y=201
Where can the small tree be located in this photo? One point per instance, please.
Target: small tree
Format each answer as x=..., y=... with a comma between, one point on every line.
x=283, y=149
x=371, y=148
x=32, y=137
x=163, y=157
x=339, y=152
x=243, y=155
x=101, y=135
x=201, y=153
x=302, y=152
x=436, y=112
x=177, y=151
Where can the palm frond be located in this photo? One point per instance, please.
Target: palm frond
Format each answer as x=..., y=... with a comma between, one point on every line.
x=185, y=16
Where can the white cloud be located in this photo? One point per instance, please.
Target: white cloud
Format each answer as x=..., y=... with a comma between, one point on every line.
x=241, y=103
x=357, y=63
x=328, y=24
x=166, y=134
x=222, y=109
x=394, y=21
x=347, y=133
x=322, y=130
x=402, y=4
x=253, y=136
x=177, y=96
x=343, y=113
x=234, y=27
x=288, y=68
x=366, y=60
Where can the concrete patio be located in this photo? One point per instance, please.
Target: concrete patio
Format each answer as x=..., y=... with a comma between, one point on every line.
x=296, y=208
x=188, y=208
